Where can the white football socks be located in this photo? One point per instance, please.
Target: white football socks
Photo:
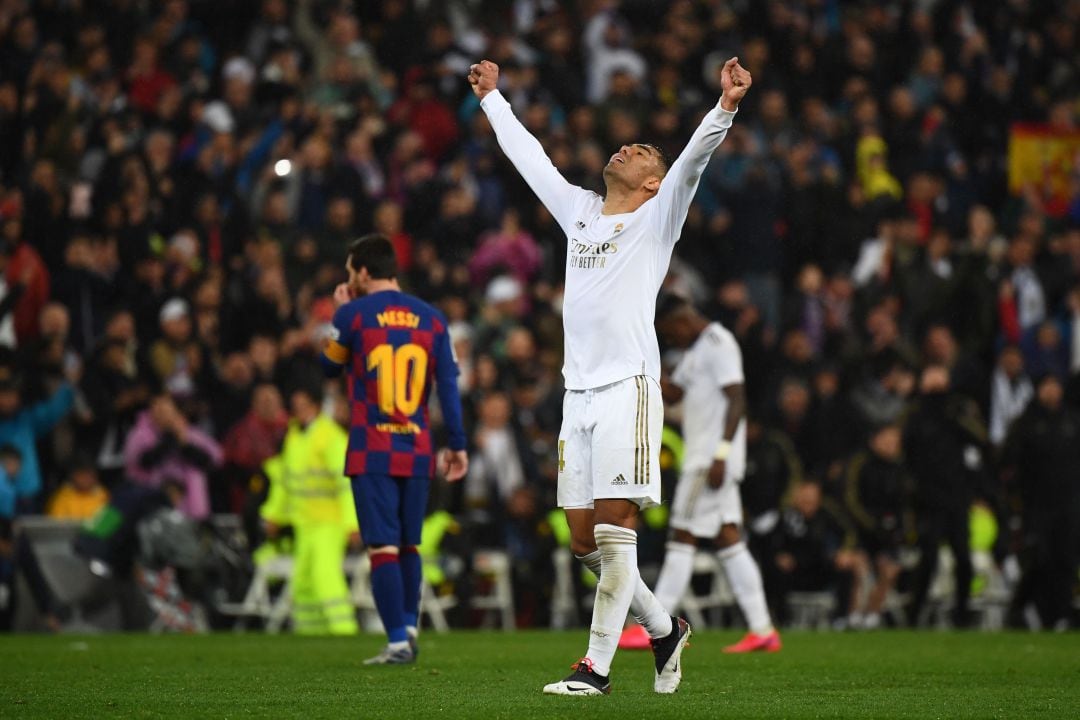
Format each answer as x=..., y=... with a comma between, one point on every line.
x=675, y=574
x=614, y=591
x=646, y=608
x=745, y=579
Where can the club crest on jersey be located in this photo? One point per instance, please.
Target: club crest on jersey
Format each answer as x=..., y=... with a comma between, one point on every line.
x=618, y=228
x=579, y=225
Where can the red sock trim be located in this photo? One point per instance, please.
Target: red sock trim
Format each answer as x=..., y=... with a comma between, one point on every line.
x=378, y=559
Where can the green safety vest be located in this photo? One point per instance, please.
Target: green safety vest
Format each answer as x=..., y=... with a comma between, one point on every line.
x=307, y=480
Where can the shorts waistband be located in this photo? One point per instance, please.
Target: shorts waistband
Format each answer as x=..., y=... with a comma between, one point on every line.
x=609, y=386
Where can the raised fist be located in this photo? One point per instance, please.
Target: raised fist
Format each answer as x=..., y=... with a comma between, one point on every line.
x=484, y=76
x=735, y=81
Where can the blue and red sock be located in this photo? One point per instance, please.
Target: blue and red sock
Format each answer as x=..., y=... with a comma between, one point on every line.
x=387, y=588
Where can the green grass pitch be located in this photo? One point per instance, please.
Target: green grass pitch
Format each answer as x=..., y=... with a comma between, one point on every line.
x=493, y=675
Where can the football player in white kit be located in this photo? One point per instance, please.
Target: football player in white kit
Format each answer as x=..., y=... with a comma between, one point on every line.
x=707, y=507
x=619, y=248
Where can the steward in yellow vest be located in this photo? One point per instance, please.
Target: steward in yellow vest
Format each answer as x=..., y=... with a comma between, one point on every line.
x=309, y=491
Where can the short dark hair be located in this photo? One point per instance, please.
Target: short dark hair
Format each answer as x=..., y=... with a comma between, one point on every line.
x=661, y=156
x=308, y=383
x=376, y=253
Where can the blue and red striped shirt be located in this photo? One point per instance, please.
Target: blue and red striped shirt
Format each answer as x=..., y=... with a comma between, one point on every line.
x=395, y=347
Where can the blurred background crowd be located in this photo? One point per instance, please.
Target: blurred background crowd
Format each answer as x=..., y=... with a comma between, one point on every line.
x=179, y=181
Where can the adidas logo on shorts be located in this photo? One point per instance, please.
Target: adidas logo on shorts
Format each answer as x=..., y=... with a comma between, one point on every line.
x=619, y=480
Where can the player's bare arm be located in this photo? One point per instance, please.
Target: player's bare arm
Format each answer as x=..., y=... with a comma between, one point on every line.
x=736, y=410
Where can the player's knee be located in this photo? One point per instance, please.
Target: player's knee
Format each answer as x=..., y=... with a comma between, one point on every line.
x=582, y=546
x=374, y=550
x=683, y=536
x=582, y=539
x=729, y=535
x=615, y=511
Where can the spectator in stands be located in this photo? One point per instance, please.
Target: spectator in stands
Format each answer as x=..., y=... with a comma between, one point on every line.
x=235, y=383
x=1045, y=350
x=877, y=498
x=81, y=496
x=10, y=292
x=773, y=469
x=10, y=465
x=25, y=266
x=164, y=447
x=1010, y=393
x=496, y=474
x=22, y=426
x=115, y=388
x=510, y=249
x=85, y=289
x=945, y=444
x=1021, y=297
x=176, y=360
x=1044, y=452
x=254, y=439
x=813, y=550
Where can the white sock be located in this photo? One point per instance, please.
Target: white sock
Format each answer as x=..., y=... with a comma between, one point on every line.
x=745, y=580
x=614, y=591
x=412, y=631
x=675, y=574
x=402, y=645
x=646, y=608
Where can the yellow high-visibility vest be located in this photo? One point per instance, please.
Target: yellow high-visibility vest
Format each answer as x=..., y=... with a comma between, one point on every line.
x=308, y=485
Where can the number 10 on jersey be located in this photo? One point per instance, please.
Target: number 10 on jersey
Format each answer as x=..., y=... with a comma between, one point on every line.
x=400, y=374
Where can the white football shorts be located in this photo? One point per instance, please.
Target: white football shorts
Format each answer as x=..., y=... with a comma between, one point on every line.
x=609, y=444
x=701, y=510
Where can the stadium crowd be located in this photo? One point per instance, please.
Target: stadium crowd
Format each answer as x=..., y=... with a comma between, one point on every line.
x=179, y=181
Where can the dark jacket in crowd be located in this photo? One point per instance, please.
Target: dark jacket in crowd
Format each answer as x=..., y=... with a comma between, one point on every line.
x=944, y=442
x=813, y=541
x=772, y=467
x=876, y=497
x=1044, y=446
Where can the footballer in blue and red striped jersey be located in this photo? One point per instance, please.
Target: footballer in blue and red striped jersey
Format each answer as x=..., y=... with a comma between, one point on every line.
x=394, y=347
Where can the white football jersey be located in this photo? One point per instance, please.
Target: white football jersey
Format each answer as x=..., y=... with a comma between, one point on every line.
x=614, y=263
x=712, y=363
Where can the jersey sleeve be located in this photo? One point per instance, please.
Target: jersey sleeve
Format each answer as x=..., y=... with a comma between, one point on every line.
x=446, y=375
x=726, y=362
x=528, y=157
x=336, y=353
x=677, y=189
